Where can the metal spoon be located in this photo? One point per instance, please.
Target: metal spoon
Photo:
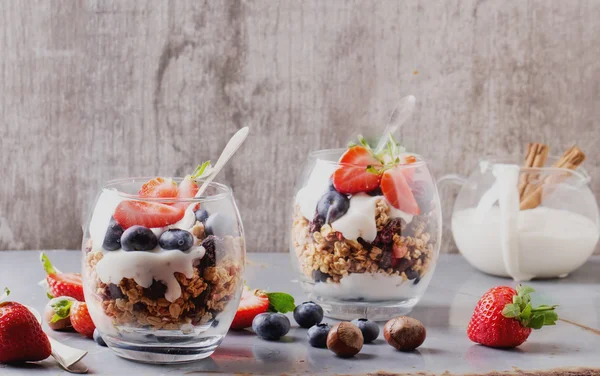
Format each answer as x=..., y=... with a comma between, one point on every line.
x=66, y=356
x=232, y=146
x=399, y=116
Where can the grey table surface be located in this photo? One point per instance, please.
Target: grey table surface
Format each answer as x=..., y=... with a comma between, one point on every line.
x=445, y=310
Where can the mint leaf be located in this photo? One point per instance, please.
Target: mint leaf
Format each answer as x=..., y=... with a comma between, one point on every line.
x=280, y=302
x=62, y=309
x=49, y=295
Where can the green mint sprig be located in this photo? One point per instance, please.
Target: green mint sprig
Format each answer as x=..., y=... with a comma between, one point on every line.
x=280, y=302
x=529, y=316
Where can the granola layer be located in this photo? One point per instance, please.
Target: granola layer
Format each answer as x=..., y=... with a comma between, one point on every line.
x=326, y=256
x=216, y=279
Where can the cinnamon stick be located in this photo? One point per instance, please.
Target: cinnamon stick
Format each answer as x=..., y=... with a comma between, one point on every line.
x=535, y=156
x=571, y=159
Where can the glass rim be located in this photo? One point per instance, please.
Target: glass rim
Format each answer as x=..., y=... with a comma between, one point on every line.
x=316, y=153
x=579, y=172
x=224, y=190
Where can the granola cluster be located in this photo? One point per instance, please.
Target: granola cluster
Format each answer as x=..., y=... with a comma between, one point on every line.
x=216, y=278
x=326, y=256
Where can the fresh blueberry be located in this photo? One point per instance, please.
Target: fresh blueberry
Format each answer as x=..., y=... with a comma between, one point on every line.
x=138, y=238
x=308, y=314
x=201, y=215
x=331, y=187
x=218, y=225
x=271, y=326
x=317, y=335
x=332, y=206
x=319, y=276
x=112, y=239
x=98, y=338
x=376, y=192
x=411, y=274
x=176, y=239
x=369, y=329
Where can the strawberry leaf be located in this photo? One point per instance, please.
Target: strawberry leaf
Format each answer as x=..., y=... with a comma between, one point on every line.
x=5, y=294
x=48, y=267
x=62, y=310
x=280, y=302
x=530, y=317
x=49, y=295
x=202, y=170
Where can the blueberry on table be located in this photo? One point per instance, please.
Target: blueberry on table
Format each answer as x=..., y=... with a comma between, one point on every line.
x=218, y=225
x=112, y=239
x=98, y=338
x=176, y=239
x=332, y=206
x=138, y=238
x=369, y=329
x=317, y=335
x=271, y=326
x=308, y=314
x=201, y=215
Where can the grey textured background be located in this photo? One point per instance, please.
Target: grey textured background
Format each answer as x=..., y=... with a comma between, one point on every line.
x=92, y=90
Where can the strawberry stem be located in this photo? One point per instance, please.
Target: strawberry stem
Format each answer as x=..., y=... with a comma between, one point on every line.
x=200, y=170
x=48, y=267
x=5, y=294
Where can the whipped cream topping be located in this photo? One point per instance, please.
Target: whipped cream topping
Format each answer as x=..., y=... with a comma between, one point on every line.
x=359, y=220
x=144, y=267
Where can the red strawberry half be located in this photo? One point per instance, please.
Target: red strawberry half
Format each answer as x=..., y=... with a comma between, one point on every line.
x=159, y=187
x=147, y=214
x=354, y=175
x=62, y=284
x=504, y=317
x=21, y=336
x=81, y=319
x=396, y=190
x=253, y=303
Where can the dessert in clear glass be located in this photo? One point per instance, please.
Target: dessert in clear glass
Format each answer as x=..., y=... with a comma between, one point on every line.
x=162, y=269
x=366, y=230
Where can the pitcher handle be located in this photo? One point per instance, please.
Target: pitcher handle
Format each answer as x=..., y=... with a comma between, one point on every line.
x=451, y=178
x=442, y=182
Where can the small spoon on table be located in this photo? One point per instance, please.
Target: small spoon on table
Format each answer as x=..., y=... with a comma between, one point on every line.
x=399, y=116
x=232, y=146
x=66, y=356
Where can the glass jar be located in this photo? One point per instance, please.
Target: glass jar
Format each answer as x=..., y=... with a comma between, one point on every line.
x=373, y=261
x=167, y=292
x=501, y=234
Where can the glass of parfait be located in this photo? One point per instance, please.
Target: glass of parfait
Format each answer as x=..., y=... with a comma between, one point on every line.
x=162, y=268
x=366, y=230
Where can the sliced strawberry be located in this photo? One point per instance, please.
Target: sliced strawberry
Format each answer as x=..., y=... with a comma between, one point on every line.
x=396, y=190
x=159, y=187
x=62, y=284
x=352, y=176
x=253, y=303
x=360, y=156
x=147, y=214
x=355, y=179
x=187, y=188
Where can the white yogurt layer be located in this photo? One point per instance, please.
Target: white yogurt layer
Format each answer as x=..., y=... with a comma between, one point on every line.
x=359, y=220
x=144, y=267
x=105, y=208
x=371, y=286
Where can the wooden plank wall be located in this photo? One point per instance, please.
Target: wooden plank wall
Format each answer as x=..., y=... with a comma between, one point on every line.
x=92, y=90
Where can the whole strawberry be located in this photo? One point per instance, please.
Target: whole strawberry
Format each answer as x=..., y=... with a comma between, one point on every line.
x=81, y=319
x=21, y=336
x=62, y=284
x=504, y=317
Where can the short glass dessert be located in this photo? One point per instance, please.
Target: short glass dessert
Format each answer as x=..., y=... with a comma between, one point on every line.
x=162, y=269
x=366, y=231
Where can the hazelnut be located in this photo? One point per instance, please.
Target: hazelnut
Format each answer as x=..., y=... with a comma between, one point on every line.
x=345, y=340
x=404, y=333
x=60, y=307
